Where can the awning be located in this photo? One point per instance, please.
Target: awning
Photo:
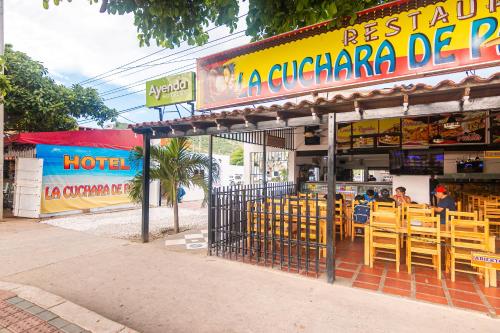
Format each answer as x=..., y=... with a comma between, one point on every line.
x=114, y=139
x=471, y=94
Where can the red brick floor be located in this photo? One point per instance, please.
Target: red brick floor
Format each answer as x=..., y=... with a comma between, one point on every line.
x=18, y=315
x=467, y=292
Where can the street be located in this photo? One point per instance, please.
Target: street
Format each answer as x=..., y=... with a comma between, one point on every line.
x=153, y=289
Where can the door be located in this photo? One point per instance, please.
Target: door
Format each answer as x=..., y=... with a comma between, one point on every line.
x=27, y=187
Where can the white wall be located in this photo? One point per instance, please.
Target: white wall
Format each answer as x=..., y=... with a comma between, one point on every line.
x=226, y=170
x=417, y=187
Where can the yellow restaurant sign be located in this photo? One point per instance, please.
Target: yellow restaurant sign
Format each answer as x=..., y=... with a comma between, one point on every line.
x=400, y=40
x=486, y=260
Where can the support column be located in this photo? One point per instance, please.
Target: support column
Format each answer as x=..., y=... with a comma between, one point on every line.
x=210, y=196
x=145, y=186
x=330, y=226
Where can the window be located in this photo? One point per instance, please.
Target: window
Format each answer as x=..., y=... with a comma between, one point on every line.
x=276, y=168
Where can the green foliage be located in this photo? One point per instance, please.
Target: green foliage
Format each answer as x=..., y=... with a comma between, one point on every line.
x=174, y=166
x=4, y=82
x=220, y=146
x=35, y=102
x=170, y=22
x=237, y=156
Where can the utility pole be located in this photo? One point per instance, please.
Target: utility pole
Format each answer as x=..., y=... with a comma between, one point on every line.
x=1, y=112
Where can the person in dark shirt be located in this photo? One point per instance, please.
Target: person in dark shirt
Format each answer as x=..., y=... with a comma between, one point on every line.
x=445, y=202
x=370, y=195
x=385, y=196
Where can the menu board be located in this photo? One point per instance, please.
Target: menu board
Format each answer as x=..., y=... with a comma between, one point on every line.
x=495, y=128
x=471, y=129
x=362, y=128
x=415, y=131
x=344, y=136
x=389, y=130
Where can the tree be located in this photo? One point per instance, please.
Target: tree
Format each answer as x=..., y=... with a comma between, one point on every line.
x=237, y=156
x=170, y=22
x=174, y=166
x=35, y=102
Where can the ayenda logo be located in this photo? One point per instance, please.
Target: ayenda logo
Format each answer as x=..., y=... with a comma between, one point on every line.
x=168, y=88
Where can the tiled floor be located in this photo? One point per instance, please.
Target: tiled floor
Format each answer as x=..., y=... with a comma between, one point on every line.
x=466, y=292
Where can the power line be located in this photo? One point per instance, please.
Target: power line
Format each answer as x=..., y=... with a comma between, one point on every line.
x=97, y=77
x=86, y=121
x=151, y=65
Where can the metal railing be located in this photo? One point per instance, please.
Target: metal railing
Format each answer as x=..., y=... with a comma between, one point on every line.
x=269, y=225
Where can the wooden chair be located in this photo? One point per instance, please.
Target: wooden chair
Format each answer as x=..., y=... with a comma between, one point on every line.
x=380, y=206
x=457, y=215
x=424, y=242
x=356, y=225
x=491, y=212
x=415, y=213
x=384, y=236
x=463, y=243
x=339, y=217
x=405, y=207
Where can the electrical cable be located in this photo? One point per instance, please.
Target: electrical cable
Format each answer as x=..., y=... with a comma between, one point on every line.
x=97, y=77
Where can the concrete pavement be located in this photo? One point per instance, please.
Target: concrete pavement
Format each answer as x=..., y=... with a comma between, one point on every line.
x=152, y=289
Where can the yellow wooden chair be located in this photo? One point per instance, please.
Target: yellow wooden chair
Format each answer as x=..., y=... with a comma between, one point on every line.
x=384, y=237
x=464, y=241
x=457, y=215
x=491, y=212
x=339, y=217
x=379, y=206
x=424, y=242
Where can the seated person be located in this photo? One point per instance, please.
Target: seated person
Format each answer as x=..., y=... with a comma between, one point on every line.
x=384, y=196
x=444, y=202
x=361, y=213
x=400, y=197
x=370, y=196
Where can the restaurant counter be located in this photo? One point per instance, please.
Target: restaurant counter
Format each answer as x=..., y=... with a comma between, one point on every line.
x=348, y=189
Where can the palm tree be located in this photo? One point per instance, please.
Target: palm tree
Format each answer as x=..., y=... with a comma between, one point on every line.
x=174, y=166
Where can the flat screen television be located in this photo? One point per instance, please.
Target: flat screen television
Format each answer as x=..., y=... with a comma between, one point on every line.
x=416, y=162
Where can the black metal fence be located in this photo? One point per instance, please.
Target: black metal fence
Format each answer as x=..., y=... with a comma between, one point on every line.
x=270, y=225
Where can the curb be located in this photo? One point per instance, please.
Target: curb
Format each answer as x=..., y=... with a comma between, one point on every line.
x=65, y=309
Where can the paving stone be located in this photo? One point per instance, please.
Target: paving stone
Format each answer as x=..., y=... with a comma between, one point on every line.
x=25, y=324
x=15, y=300
x=4, y=304
x=8, y=311
x=14, y=318
x=59, y=322
x=35, y=309
x=46, y=315
x=39, y=297
x=24, y=305
x=5, y=294
x=43, y=328
x=72, y=328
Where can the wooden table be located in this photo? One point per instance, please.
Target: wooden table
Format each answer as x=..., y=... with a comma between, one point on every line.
x=444, y=234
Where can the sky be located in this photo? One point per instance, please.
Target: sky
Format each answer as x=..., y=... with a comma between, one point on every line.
x=76, y=42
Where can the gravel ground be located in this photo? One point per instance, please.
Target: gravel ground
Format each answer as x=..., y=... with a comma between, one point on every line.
x=127, y=223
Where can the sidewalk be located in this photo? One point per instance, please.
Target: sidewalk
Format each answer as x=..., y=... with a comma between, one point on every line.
x=153, y=288
x=25, y=309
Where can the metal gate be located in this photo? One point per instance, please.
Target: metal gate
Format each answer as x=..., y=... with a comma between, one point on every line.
x=27, y=187
x=269, y=225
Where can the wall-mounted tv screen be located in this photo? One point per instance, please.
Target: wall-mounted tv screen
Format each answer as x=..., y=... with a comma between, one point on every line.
x=416, y=162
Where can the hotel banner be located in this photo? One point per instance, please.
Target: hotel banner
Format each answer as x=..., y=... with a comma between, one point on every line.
x=78, y=178
x=419, y=38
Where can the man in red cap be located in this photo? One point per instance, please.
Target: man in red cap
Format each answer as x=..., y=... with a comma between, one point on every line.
x=444, y=202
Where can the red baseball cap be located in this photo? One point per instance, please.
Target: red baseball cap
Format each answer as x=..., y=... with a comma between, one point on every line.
x=440, y=189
